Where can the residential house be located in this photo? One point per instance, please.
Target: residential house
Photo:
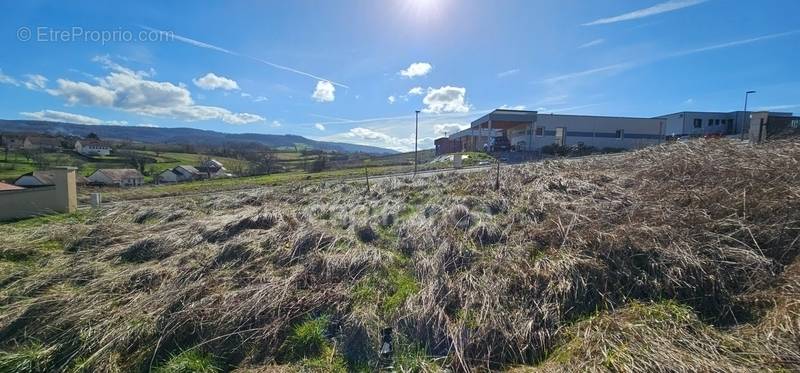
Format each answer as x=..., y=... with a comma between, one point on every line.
x=43, y=178
x=42, y=143
x=122, y=177
x=92, y=147
x=187, y=173
x=13, y=142
x=212, y=169
x=167, y=176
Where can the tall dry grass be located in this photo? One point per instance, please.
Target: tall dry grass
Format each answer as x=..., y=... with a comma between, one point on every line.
x=680, y=257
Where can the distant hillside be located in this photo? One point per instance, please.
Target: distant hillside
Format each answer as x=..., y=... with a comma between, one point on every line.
x=193, y=136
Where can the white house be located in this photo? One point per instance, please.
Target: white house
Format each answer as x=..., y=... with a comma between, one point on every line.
x=91, y=147
x=167, y=176
x=122, y=177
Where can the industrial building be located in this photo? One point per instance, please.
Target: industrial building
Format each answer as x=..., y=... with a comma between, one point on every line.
x=530, y=131
x=693, y=123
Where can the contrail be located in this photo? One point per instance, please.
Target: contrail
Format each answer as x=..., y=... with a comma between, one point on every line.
x=201, y=44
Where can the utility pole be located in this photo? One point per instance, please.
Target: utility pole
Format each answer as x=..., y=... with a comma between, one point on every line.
x=416, y=135
x=746, y=117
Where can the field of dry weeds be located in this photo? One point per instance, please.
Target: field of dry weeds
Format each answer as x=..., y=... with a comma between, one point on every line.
x=680, y=257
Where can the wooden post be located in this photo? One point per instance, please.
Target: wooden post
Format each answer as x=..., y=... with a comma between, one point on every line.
x=497, y=177
x=366, y=175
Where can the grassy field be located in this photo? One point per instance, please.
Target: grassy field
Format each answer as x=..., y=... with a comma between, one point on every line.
x=663, y=259
x=240, y=183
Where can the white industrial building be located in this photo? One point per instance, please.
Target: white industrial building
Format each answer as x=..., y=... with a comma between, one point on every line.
x=530, y=131
x=694, y=123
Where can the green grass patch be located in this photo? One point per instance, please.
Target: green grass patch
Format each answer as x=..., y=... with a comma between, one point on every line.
x=389, y=290
x=190, y=361
x=32, y=358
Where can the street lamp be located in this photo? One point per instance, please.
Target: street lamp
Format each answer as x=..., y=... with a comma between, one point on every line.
x=746, y=94
x=416, y=134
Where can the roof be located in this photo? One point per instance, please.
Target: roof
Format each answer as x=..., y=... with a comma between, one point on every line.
x=188, y=168
x=45, y=178
x=213, y=162
x=52, y=141
x=118, y=174
x=94, y=142
x=4, y=187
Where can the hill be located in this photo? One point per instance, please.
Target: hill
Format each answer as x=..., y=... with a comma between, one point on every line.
x=157, y=135
x=680, y=257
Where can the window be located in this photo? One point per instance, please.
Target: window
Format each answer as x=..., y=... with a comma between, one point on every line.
x=716, y=122
x=710, y=122
x=539, y=131
x=698, y=123
x=620, y=134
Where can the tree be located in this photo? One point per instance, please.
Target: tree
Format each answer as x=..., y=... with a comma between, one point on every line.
x=135, y=159
x=93, y=135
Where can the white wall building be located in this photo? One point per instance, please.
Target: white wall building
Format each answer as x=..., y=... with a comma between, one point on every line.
x=91, y=148
x=530, y=131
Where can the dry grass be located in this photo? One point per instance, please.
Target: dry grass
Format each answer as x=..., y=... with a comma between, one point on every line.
x=673, y=258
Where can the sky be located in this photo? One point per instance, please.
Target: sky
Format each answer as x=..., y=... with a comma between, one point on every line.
x=356, y=71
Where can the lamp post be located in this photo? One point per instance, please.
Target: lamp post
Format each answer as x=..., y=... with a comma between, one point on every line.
x=416, y=135
x=746, y=94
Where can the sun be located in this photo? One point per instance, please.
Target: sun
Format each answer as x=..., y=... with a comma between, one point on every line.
x=424, y=8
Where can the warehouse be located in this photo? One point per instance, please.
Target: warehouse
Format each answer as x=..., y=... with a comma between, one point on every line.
x=703, y=123
x=531, y=131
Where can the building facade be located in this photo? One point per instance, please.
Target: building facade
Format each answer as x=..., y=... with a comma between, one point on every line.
x=700, y=123
x=531, y=131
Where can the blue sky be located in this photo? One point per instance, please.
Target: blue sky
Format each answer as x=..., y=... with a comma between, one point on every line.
x=355, y=71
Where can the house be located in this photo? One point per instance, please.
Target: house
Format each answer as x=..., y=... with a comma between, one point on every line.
x=187, y=173
x=42, y=143
x=92, y=147
x=212, y=169
x=167, y=176
x=43, y=178
x=13, y=142
x=122, y=177
x=61, y=196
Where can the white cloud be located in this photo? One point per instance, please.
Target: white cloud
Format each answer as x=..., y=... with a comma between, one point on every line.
x=515, y=107
x=416, y=91
x=213, y=81
x=664, y=7
x=507, y=73
x=448, y=128
x=130, y=91
x=260, y=99
x=35, y=82
x=324, y=92
x=60, y=116
x=446, y=100
x=5, y=79
x=416, y=69
x=319, y=126
x=592, y=43
x=245, y=94
x=391, y=99
x=275, y=124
